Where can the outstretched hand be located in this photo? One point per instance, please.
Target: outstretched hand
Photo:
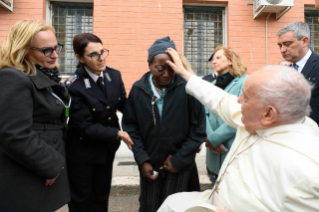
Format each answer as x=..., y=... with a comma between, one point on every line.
x=177, y=64
x=126, y=138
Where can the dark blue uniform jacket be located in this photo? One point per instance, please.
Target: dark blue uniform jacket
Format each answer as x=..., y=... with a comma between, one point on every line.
x=93, y=125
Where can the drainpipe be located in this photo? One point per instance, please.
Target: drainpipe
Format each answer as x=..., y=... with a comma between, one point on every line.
x=267, y=39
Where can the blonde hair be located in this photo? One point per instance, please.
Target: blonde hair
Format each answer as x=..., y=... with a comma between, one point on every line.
x=13, y=52
x=186, y=64
x=237, y=68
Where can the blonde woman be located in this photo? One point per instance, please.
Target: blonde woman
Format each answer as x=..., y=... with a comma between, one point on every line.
x=231, y=75
x=34, y=106
x=186, y=64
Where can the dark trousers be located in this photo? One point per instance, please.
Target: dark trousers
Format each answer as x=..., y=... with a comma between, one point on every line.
x=211, y=175
x=154, y=193
x=90, y=186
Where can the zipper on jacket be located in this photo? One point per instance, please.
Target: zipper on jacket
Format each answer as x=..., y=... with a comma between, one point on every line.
x=153, y=101
x=165, y=95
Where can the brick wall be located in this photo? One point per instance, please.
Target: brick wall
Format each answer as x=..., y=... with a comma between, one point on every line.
x=129, y=27
x=22, y=9
x=248, y=36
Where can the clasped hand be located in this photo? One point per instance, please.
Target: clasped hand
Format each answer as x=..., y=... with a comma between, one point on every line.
x=220, y=149
x=51, y=181
x=148, y=171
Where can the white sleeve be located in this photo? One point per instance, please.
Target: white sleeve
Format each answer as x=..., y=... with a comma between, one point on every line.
x=303, y=196
x=216, y=100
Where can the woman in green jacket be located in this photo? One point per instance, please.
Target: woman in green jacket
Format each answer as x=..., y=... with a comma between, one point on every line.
x=231, y=75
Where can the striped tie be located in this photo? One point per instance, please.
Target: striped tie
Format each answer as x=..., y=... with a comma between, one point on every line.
x=295, y=66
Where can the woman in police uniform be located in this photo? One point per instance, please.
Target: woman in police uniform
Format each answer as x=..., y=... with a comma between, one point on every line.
x=97, y=92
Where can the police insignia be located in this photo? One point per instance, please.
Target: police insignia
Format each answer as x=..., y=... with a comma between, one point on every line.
x=108, y=77
x=87, y=83
x=70, y=80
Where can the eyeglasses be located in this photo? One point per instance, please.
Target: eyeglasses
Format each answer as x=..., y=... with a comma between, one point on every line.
x=48, y=51
x=95, y=56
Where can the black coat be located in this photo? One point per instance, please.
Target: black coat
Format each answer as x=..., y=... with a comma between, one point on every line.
x=179, y=132
x=32, y=143
x=93, y=126
x=311, y=73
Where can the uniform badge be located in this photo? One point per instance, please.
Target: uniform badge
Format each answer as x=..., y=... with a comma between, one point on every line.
x=87, y=83
x=108, y=77
x=70, y=80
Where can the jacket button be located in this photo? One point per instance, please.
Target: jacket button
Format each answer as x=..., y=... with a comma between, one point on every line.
x=119, y=98
x=80, y=138
x=108, y=107
x=109, y=118
x=93, y=109
x=57, y=102
x=56, y=140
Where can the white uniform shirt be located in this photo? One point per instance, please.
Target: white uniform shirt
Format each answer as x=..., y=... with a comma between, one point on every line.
x=301, y=63
x=93, y=76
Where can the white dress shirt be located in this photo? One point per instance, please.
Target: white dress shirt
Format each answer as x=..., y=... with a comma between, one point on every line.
x=94, y=76
x=276, y=169
x=301, y=63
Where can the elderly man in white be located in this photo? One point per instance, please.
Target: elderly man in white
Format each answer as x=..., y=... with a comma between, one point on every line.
x=273, y=164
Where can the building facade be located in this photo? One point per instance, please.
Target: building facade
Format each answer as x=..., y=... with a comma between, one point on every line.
x=128, y=27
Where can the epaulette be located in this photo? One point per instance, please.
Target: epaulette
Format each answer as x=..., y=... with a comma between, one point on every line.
x=71, y=80
x=113, y=69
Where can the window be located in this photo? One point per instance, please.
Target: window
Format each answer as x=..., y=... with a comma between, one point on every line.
x=8, y=4
x=69, y=20
x=311, y=18
x=203, y=32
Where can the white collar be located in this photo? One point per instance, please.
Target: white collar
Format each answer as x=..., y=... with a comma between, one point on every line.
x=93, y=76
x=301, y=63
x=214, y=74
x=153, y=87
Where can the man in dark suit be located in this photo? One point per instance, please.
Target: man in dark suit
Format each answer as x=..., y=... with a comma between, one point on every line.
x=293, y=42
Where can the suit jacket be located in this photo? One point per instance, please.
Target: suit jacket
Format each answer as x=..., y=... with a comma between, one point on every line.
x=265, y=171
x=32, y=143
x=209, y=78
x=218, y=132
x=311, y=73
x=93, y=126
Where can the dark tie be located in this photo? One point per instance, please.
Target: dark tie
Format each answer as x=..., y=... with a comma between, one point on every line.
x=101, y=85
x=295, y=66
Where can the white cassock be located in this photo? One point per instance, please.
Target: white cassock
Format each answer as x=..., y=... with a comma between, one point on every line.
x=276, y=169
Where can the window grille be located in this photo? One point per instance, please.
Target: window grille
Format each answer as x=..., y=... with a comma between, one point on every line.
x=311, y=18
x=203, y=32
x=69, y=20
